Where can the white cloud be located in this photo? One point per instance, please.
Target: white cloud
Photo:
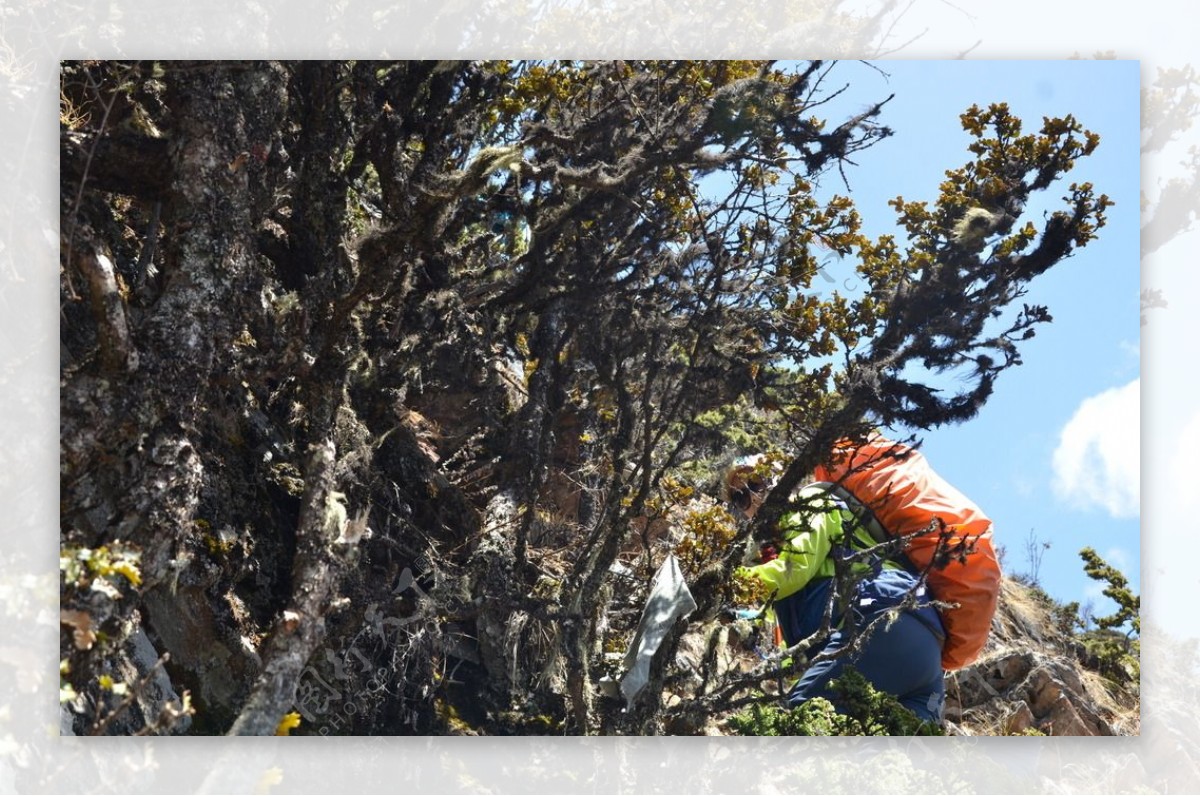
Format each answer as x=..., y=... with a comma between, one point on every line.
x=1097, y=460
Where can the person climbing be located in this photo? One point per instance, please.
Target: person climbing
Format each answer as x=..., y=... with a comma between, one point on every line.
x=901, y=657
x=895, y=492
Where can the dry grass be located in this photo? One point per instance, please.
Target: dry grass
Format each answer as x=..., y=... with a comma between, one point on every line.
x=70, y=115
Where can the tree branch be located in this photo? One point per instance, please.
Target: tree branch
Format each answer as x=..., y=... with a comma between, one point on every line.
x=117, y=351
x=301, y=627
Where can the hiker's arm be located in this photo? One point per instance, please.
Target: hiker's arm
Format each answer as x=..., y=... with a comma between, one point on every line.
x=805, y=548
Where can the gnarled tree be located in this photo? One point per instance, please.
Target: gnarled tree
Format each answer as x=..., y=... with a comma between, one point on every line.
x=389, y=371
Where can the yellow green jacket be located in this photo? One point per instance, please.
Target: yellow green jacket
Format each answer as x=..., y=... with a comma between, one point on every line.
x=805, y=540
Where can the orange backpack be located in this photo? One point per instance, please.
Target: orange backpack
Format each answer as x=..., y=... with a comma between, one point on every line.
x=905, y=495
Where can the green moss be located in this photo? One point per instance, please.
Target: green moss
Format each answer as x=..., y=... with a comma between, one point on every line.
x=82, y=566
x=287, y=476
x=218, y=545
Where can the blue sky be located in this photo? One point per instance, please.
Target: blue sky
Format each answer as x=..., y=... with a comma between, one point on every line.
x=1055, y=450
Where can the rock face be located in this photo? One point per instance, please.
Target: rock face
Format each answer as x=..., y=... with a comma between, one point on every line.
x=136, y=662
x=1030, y=678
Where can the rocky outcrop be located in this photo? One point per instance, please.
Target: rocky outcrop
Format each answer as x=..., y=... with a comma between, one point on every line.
x=1029, y=678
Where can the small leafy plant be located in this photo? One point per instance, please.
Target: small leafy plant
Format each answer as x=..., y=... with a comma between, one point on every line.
x=860, y=710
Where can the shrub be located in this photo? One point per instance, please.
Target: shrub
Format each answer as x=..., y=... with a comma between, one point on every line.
x=861, y=710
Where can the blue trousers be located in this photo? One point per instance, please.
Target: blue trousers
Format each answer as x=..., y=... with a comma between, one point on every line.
x=904, y=660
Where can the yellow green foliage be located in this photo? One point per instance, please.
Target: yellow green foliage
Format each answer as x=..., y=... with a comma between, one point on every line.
x=863, y=711
x=218, y=544
x=448, y=713
x=108, y=684
x=289, y=722
x=748, y=590
x=80, y=566
x=616, y=643
x=707, y=534
x=66, y=692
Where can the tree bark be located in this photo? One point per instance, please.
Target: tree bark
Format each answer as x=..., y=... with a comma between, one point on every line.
x=301, y=627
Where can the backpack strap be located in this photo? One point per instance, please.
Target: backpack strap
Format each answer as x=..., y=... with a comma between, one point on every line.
x=874, y=528
x=862, y=513
x=866, y=520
